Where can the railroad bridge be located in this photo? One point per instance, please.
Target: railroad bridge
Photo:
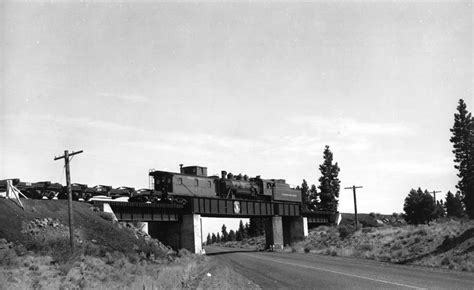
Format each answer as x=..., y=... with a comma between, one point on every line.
x=179, y=225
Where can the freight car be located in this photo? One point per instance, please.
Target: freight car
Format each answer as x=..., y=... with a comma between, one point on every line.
x=36, y=190
x=194, y=181
x=80, y=192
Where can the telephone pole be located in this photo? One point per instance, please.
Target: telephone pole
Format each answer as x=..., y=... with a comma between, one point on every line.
x=434, y=192
x=356, y=221
x=69, y=192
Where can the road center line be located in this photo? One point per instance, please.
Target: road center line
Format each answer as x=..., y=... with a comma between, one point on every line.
x=334, y=272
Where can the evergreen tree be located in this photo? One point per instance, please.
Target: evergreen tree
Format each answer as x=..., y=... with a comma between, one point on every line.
x=256, y=227
x=231, y=237
x=313, y=196
x=463, y=144
x=439, y=210
x=247, y=230
x=238, y=235
x=218, y=238
x=225, y=235
x=213, y=239
x=241, y=232
x=305, y=195
x=453, y=205
x=419, y=207
x=252, y=230
x=209, y=239
x=329, y=182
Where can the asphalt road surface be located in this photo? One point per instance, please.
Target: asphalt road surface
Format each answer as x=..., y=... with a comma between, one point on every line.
x=272, y=270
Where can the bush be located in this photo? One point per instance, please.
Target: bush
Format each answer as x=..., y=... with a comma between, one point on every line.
x=345, y=231
x=308, y=248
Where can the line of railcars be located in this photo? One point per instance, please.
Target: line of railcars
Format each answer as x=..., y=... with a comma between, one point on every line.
x=170, y=186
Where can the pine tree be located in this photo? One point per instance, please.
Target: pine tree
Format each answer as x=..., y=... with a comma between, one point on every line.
x=252, y=230
x=463, y=144
x=419, y=207
x=439, y=210
x=214, y=238
x=218, y=238
x=241, y=231
x=256, y=227
x=260, y=226
x=225, y=235
x=329, y=182
x=231, y=237
x=305, y=195
x=453, y=205
x=313, y=196
x=209, y=239
x=238, y=235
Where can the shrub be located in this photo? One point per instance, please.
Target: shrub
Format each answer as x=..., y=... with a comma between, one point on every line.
x=445, y=261
x=365, y=247
x=345, y=231
x=107, y=216
x=308, y=248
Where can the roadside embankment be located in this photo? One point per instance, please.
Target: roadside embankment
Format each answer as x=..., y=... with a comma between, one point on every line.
x=35, y=251
x=445, y=243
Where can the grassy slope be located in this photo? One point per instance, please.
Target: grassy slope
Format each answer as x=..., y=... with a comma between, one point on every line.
x=89, y=226
x=447, y=244
x=34, y=251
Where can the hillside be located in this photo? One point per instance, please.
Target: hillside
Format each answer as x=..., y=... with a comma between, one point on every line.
x=35, y=252
x=446, y=244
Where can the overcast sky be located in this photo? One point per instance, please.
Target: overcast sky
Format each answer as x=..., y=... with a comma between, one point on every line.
x=255, y=88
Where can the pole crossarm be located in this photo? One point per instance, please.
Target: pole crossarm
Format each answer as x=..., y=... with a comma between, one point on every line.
x=434, y=192
x=352, y=187
x=70, y=154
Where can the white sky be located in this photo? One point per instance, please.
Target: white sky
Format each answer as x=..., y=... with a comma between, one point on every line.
x=257, y=88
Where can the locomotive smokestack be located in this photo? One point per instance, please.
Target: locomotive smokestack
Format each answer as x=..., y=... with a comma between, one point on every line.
x=223, y=174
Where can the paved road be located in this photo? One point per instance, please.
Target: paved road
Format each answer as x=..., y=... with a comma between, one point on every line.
x=304, y=271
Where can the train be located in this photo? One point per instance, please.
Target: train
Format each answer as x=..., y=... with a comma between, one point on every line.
x=194, y=181
x=165, y=186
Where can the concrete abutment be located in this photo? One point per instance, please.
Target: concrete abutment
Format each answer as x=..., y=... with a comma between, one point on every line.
x=185, y=233
x=281, y=231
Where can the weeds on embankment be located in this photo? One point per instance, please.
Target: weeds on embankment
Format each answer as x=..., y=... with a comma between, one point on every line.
x=35, y=251
x=446, y=244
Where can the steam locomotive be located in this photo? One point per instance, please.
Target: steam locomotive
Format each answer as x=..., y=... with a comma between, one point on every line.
x=170, y=187
x=194, y=181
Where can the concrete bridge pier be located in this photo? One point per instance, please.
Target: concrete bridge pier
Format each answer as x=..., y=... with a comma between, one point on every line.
x=295, y=229
x=281, y=231
x=274, y=232
x=191, y=233
x=185, y=233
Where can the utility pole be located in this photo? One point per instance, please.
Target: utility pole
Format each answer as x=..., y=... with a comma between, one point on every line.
x=434, y=192
x=356, y=221
x=69, y=192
